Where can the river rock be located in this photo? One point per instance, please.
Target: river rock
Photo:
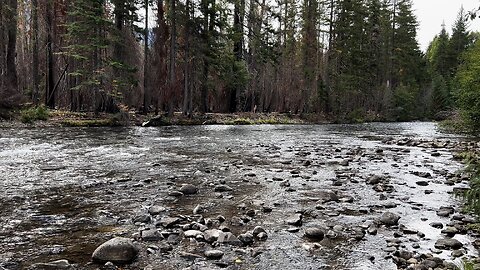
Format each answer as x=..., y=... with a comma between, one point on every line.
x=448, y=243
x=295, y=220
x=422, y=183
x=445, y=211
x=151, y=235
x=198, y=209
x=222, y=188
x=389, y=219
x=169, y=222
x=55, y=265
x=374, y=180
x=372, y=229
x=213, y=254
x=117, y=250
x=258, y=230
x=142, y=218
x=156, y=210
x=212, y=235
x=316, y=234
x=437, y=225
x=228, y=238
x=246, y=238
x=189, y=189
x=450, y=231
x=193, y=233
x=263, y=236
x=328, y=196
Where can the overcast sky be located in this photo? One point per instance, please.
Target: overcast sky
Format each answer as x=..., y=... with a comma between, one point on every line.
x=432, y=13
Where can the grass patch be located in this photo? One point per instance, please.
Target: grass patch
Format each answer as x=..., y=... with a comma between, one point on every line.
x=454, y=126
x=33, y=114
x=241, y=121
x=466, y=265
x=471, y=197
x=90, y=123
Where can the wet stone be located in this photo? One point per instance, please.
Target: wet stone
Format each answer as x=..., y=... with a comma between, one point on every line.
x=156, y=210
x=372, y=229
x=117, y=250
x=263, y=236
x=422, y=183
x=222, y=188
x=374, y=180
x=437, y=225
x=228, y=238
x=193, y=233
x=295, y=220
x=175, y=193
x=198, y=209
x=450, y=231
x=445, y=211
x=189, y=256
x=143, y=218
x=246, y=238
x=169, y=222
x=189, y=189
x=448, y=243
x=213, y=254
x=296, y=229
x=55, y=265
x=316, y=234
x=458, y=253
x=389, y=219
x=151, y=235
x=257, y=230
x=212, y=235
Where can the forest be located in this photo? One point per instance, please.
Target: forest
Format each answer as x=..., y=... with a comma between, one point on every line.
x=343, y=59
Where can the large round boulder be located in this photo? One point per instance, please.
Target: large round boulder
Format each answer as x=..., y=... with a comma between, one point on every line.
x=117, y=250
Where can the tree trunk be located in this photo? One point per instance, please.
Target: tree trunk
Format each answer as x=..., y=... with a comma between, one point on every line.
x=239, y=14
x=49, y=94
x=11, y=68
x=35, y=53
x=173, y=55
x=207, y=27
x=145, y=63
x=186, y=92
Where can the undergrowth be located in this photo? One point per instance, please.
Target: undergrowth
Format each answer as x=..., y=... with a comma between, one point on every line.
x=33, y=114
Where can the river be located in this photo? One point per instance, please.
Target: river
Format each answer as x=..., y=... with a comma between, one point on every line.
x=64, y=191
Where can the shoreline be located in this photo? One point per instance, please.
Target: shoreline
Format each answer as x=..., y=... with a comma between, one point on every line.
x=74, y=119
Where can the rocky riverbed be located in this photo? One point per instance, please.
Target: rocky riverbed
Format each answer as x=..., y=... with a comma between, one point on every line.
x=370, y=196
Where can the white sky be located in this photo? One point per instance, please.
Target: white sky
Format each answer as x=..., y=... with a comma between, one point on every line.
x=432, y=13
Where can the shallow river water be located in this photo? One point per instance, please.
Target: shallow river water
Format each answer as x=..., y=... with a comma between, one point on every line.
x=64, y=191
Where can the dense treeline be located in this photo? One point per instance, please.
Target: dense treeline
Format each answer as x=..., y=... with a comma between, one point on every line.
x=343, y=58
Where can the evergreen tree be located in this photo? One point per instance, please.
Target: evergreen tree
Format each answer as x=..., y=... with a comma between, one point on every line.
x=409, y=68
x=88, y=43
x=459, y=42
x=468, y=78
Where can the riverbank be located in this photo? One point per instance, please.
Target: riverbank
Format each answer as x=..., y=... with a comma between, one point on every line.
x=35, y=117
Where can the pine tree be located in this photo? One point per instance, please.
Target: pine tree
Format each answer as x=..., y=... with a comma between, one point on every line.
x=468, y=78
x=459, y=42
x=88, y=42
x=409, y=68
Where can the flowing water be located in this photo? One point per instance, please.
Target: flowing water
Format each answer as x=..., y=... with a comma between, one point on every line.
x=64, y=191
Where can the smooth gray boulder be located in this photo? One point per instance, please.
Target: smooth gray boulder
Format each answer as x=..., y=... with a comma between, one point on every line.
x=118, y=250
x=389, y=219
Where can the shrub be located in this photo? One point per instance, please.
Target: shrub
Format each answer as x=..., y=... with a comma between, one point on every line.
x=34, y=114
